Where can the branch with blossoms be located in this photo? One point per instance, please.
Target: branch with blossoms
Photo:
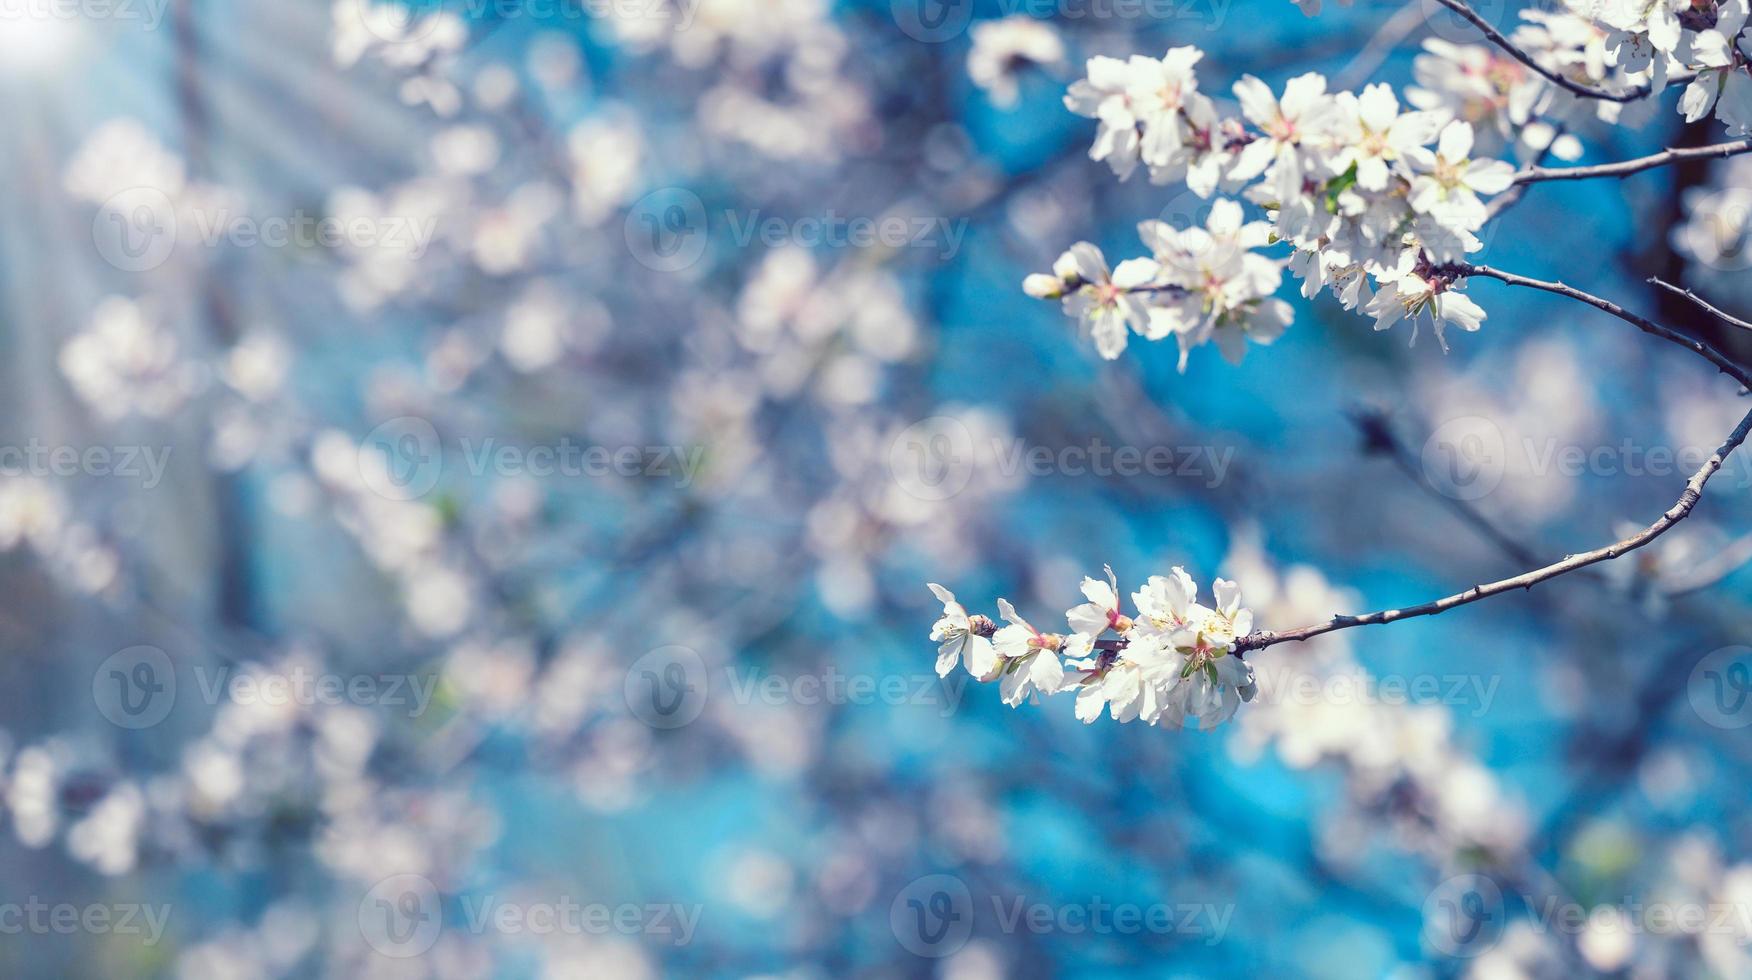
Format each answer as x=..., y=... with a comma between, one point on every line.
x=1180, y=662
x=1176, y=662
x=1380, y=204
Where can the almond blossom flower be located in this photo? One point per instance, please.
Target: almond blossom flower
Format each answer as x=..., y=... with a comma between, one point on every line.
x=1205, y=151
x=1210, y=683
x=1102, y=96
x=1724, y=80
x=1095, y=617
x=1224, y=289
x=1415, y=290
x=1478, y=84
x=1567, y=42
x=1293, y=128
x=1158, y=90
x=1207, y=693
x=1165, y=603
x=1643, y=31
x=1450, y=182
x=1713, y=30
x=1031, y=663
x=1107, y=687
x=1227, y=621
x=1261, y=321
x=959, y=639
x=1104, y=301
x=1376, y=137
x=1331, y=267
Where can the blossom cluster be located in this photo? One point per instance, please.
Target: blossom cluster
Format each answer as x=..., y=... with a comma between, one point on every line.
x=1202, y=284
x=1174, y=661
x=1362, y=188
x=1627, y=46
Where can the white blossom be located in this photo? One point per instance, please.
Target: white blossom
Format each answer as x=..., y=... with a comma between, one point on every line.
x=1415, y=291
x=1449, y=180
x=1103, y=96
x=1294, y=132
x=1003, y=47
x=1030, y=661
x=959, y=640
x=1377, y=138
x=1108, y=303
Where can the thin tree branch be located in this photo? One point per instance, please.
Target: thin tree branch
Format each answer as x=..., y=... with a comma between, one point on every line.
x=1678, y=512
x=1726, y=364
x=1556, y=78
x=1626, y=167
x=1693, y=297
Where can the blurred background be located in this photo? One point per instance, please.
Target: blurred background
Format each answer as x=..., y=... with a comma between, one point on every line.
x=471, y=471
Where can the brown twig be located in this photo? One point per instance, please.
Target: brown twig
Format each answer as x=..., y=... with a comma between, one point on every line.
x=1526, y=580
x=1699, y=301
x=1626, y=167
x=1556, y=78
x=1726, y=364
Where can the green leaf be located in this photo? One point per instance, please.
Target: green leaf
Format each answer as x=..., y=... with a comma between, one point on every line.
x=1338, y=185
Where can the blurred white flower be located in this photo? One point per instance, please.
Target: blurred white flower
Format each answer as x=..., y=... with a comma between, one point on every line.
x=126, y=364
x=1003, y=48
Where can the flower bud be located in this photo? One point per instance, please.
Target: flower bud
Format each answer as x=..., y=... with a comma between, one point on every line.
x=1066, y=268
x=1042, y=286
